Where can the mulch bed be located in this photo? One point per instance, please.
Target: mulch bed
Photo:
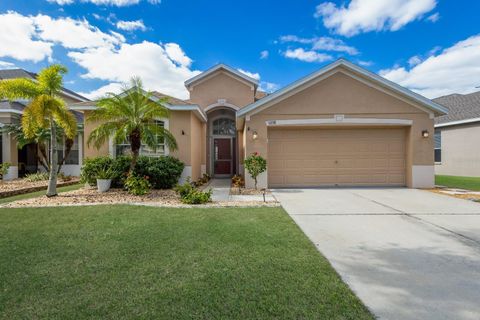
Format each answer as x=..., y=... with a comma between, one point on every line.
x=21, y=186
x=90, y=196
x=474, y=196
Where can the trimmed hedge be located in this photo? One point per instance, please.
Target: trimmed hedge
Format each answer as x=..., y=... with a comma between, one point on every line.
x=163, y=172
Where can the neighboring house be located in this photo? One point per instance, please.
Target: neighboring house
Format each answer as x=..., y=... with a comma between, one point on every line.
x=24, y=160
x=457, y=136
x=339, y=126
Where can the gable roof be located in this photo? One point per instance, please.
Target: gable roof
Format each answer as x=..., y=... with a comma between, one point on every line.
x=171, y=100
x=220, y=67
x=173, y=104
x=21, y=73
x=462, y=108
x=284, y=92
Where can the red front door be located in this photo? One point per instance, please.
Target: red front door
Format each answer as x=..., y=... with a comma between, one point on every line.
x=223, y=157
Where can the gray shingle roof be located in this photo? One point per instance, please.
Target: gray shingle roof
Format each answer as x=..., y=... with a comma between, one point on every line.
x=460, y=106
x=20, y=73
x=171, y=100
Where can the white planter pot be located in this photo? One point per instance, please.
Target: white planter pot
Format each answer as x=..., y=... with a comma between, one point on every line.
x=103, y=185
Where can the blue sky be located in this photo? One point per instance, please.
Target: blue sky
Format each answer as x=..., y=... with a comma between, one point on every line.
x=430, y=46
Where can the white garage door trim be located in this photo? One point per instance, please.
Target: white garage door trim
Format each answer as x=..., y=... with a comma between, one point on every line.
x=339, y=120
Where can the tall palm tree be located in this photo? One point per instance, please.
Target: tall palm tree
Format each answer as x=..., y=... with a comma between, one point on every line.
x=41, y=139
x=131, y=116
x=45, y=110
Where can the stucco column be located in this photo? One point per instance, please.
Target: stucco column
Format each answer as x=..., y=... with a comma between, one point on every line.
x=10, y=155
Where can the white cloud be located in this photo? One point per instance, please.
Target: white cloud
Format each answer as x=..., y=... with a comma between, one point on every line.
x=453, y=70
x=113, y=87
x=372, y=15
x=6, y=65
x=413, y=61
x=269, y=87
x=365, y=63
x=264, y=54
x=73, y=34
x=160, y=67
x=116, y=3
x=434, y=17
x=18, y=39
x=322, y=43
x=307, y=56
x=255, y=76
x=177, y=55
x=131, y=25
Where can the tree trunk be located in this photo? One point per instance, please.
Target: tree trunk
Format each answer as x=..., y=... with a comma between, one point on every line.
x=44, y=158
x=135, y=144
x=52, y=183
x=68, y=148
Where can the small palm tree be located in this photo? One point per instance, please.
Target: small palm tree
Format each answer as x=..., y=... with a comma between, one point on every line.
x=131, y=116
x=46, y=110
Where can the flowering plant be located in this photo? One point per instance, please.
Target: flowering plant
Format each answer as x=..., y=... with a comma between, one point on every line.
x=255, y=165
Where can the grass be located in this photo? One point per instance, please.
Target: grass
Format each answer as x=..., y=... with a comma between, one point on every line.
x=40, y=193
x=468, y=183
x=123, y=262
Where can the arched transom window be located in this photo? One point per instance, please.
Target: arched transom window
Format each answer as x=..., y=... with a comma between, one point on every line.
x=224, y=127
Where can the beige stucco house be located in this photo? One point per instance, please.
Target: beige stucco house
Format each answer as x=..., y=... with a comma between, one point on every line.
x=340, y=126
x=457, y=147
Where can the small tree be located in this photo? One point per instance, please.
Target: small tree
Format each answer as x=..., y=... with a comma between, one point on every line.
x=255, y=165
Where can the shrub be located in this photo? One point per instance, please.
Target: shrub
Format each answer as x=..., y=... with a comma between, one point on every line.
x=91, y=167
x=121, y=165
x=184, y=189
x=237, y=181
x=4, y=168
x=164, y=172
x=39, y=176
x=136, y=185
x=106, y=173
x=65, y=177
x=255, y=165
x=197, y=197
x=191, y=195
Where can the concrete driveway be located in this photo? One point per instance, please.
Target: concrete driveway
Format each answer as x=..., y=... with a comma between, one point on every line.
x=407, y=254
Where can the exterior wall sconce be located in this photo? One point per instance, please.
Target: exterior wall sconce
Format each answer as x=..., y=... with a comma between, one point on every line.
x=255, y=135
x=425, y=134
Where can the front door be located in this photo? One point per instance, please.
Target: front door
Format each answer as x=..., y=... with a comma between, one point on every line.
x=223, y=156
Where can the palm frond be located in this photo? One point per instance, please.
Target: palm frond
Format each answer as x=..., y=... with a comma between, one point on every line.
x=50, y=79
x=21, y=88
x=64, y=118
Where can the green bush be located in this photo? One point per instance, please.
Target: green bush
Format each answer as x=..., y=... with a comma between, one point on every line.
x=4, y=168
x=255, y=165
x=92, y=166
x=121, y=165
x=163, y=172
x=39, y=176
x=191, y=195
x=184, y=189
x=137, y=186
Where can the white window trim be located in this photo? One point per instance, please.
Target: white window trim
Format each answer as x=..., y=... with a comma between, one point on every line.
x=112, y=147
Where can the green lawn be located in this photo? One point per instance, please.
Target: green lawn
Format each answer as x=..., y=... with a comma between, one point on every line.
x=469, y=183
x=124, y=262
x=40, y=193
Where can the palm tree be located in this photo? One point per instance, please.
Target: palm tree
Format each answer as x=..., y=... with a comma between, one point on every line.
x=41, y=139
x=45, y=110
x=131, y=116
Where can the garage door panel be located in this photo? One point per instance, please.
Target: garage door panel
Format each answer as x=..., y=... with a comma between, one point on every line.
x=322, y=157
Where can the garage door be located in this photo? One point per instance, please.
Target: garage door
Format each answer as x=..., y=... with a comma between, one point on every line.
x=336, y=157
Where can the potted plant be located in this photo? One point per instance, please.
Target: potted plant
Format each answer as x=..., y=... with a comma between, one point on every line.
x=104, y=179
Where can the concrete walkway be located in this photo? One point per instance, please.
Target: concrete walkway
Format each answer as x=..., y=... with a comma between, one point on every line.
x=407, y=254
x=221, y=193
